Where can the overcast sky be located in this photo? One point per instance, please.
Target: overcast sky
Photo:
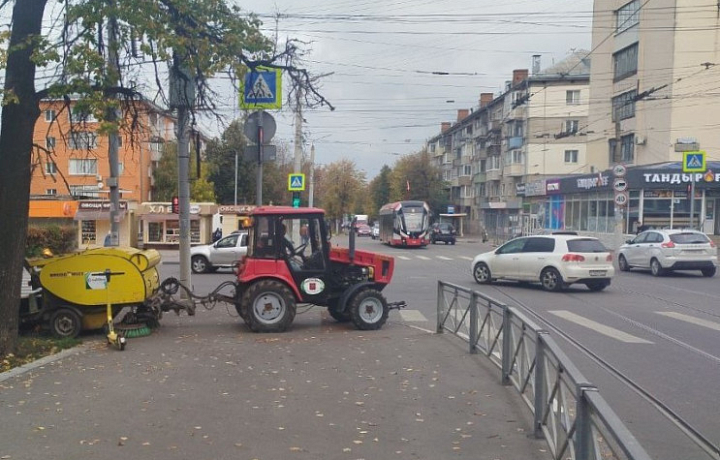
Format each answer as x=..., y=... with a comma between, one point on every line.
x=383, y=54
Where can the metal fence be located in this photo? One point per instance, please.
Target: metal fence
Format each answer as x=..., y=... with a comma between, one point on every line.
x=568, y=411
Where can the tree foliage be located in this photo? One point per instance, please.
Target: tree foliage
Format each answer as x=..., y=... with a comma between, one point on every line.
x=379, y=189
x=342, y=188
x=166, y=183
x=419, y=173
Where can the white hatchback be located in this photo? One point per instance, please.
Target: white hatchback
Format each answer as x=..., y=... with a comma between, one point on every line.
x=554, y=261
x=665, y=250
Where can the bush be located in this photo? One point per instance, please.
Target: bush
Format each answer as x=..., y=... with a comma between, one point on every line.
x=59, y=239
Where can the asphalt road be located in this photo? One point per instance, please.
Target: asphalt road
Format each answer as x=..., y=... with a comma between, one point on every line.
x=660, y=333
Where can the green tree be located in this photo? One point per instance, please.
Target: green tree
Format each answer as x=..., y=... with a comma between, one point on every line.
x=342, y=187
x=419, y=174
x=166, y=178
x=379, y=190
x=204, y=36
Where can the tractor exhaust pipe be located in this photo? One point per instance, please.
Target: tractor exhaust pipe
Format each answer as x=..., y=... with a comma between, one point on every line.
x=351, y=252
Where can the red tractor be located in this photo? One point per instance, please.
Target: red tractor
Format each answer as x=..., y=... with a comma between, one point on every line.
x=277, y=273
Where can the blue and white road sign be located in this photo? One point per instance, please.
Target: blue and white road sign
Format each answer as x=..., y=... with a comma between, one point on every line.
x=694, y=161
x=262, y=89
x=296, y=182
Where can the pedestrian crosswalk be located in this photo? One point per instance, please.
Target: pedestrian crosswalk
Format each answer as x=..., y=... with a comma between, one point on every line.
x=424, y=257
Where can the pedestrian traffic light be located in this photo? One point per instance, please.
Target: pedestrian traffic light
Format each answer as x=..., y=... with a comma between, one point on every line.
x=175, y=205
x=296, y=200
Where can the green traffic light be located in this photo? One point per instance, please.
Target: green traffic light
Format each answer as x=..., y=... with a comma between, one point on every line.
x=296, y=200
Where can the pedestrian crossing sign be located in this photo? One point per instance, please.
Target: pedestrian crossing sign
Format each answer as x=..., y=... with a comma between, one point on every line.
x=694, y=161
x=296, y=182
x=261, y=89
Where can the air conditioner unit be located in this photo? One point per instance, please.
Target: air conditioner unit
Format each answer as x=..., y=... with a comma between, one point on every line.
x=640, y=140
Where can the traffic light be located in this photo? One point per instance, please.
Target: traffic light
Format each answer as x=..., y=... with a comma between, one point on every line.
x=296, y=200
x=175, y=205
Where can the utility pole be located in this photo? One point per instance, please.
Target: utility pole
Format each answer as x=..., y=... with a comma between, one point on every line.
x=311, y=192
x=182, y=97
x=298, y=131
x=261, y=140
x=113, y=137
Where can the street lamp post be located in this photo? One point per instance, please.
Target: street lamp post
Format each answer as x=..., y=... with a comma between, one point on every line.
x=236, y=174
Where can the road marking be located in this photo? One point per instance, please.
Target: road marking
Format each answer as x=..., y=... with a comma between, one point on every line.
x=599, y=328
x=691, y=319
x=443, y=257
x=466, y=257
x=403, y=257
x=423, y=257
x=412, y=315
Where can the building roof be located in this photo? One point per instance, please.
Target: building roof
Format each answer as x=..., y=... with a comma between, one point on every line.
x=576, y=63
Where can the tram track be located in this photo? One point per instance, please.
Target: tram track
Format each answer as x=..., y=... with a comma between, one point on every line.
x=711, y=449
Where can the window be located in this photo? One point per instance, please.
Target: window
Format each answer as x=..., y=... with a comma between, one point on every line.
x=432, y=148
x=571, y=156
x=626, y=62
x=624, y=106
x=86, y=167
x=51, y=191
x=81, y=116
x=83, y=140
x=494, y=163
x=50, y=143
x=628, y=16
x=50, y=167
x=626, y=152
x=572, y=97
x=49, y=115
x=467, y=170
x=539, y=244
x=514, y=157
x=572, y=126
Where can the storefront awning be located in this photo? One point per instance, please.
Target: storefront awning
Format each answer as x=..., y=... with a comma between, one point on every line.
x=164, y=217
x=97, y=215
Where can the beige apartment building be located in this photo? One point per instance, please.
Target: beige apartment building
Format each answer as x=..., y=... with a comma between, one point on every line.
x=654, y=80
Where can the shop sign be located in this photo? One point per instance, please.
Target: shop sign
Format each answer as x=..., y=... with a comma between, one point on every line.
x=552, y=186
x=520, y=189
x=98, y=205
x=239, y=209
x=587, y=183
x=678, y=178
x=535, y=188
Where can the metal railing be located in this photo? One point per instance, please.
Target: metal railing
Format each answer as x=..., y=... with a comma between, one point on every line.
x=568, y=411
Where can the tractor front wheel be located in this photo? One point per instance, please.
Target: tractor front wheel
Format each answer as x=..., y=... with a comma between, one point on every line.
x=368, y=310
x=270, y=306
x=65, y=323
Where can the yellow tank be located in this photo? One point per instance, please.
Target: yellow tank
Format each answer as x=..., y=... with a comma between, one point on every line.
x=77, y=281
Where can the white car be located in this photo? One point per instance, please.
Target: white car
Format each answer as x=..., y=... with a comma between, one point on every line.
x=375, y=232
x=666, y=250
x=221, y=254
x=555, y=261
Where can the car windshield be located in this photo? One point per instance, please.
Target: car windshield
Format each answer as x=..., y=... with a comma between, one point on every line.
x=585, y=245
x=689, y=238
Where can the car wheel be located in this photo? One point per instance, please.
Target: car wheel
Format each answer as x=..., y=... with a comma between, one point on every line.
x=452, y=242
x=598, y=285
x=551, y=280
x=199, y=264
x=622, y=264
x=434, y=241
x=709, y=272
x=368, y=310
x=65, y=323
x=655, y=268
x=271, y=306
x=482, y=274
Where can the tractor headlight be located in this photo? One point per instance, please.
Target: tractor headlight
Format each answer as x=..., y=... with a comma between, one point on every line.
x=371, y=272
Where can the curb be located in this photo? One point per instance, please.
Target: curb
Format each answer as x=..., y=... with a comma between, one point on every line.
x=41, y=362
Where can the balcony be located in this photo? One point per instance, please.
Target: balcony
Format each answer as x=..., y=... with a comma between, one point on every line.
x=479, y=178
x=515, y=142
x=465, y=180
x=492, y=174
x=514, y=170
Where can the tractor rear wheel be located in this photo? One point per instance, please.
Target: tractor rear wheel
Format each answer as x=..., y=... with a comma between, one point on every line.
x=270, y=306
x=65, y=322
x=368, y=310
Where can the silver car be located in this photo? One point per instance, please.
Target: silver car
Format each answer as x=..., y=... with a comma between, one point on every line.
x=224, y=253
x=667, y=250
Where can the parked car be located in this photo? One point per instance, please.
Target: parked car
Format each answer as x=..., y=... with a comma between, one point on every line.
x=554, y=261
x=375, y=232
x=363, y=230
x=667, y=250
x=442, y=232
x=221, y=254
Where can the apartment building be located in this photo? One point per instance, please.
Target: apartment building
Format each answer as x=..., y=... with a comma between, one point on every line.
x=76, y=165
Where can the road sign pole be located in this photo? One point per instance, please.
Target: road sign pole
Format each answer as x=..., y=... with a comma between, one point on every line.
x=259, y=160
x=692, y=201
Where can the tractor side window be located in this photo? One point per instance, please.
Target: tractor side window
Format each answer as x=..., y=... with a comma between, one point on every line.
x=315, y=259
x=262, y=244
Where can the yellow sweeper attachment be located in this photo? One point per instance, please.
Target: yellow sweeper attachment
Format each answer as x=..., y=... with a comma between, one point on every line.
x=76, y=294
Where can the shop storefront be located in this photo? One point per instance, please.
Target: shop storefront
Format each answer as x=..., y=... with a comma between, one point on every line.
x=159, y=227
x=93, y=220
x=52, y=211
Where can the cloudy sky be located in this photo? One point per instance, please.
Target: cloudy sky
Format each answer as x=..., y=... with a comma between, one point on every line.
x=401, y=67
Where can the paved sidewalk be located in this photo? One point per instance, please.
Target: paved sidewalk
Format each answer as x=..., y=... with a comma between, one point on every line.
x=205, y=387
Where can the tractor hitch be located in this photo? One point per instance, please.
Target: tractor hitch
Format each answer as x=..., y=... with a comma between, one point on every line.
x=397, y=305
